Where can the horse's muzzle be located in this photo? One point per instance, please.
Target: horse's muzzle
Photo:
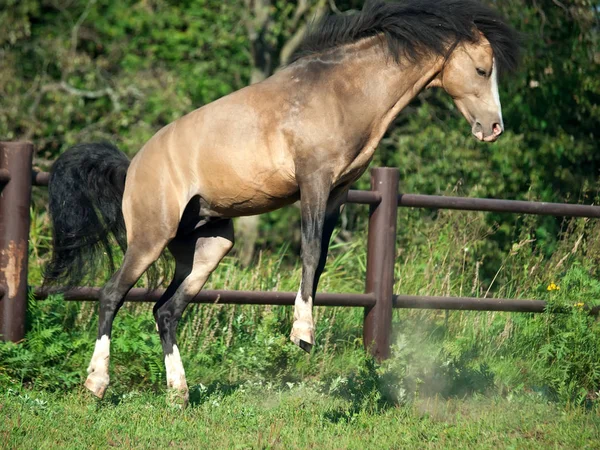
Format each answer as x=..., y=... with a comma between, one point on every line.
x=492, y=133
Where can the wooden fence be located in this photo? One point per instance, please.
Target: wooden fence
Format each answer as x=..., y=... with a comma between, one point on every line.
x=378, y=301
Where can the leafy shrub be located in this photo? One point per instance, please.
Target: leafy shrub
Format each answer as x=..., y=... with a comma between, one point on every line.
x=50, y=355
x=563, y=343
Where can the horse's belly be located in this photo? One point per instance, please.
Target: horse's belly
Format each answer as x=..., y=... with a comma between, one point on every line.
x=254, y=192
x=245, y=207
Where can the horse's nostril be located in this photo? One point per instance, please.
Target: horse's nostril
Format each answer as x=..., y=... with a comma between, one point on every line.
x=497, y=129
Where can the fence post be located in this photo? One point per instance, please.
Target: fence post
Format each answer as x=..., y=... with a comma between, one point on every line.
x=381, y=255
x=15, y=199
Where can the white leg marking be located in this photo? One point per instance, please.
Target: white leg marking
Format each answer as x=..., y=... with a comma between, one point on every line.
x=98, y=378
x=175, y=372
x=495, y=93
x=303, y=329
x=101, y=356
x=302, y=309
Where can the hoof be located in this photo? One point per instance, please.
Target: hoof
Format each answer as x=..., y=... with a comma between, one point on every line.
x=303, y=335
x=178, y=398
x=96, y=384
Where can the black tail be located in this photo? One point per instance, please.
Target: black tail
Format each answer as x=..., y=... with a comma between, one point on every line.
x=86, y=191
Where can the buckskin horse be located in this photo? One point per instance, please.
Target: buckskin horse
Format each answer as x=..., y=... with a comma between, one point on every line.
x=307, y=132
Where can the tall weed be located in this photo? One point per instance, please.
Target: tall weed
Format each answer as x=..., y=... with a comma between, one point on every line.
x=436, y=352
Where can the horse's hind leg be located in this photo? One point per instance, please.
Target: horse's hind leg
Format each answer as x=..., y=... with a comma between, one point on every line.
x=196, y=255
x=135, y=263
x=146, y=239
x=139, y=256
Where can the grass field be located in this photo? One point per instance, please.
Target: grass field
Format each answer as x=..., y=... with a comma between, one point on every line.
x=260, y=416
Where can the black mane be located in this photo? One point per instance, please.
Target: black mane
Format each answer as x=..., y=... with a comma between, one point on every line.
x=412, y=28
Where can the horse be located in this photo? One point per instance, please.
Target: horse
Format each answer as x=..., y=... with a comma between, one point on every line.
x=306, y=133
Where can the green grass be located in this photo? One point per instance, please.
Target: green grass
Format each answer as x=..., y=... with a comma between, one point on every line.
x=456, y=379
x=259, y=415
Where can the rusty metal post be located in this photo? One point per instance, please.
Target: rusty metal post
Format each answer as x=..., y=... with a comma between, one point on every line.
x=381, y=254
x=15, y=198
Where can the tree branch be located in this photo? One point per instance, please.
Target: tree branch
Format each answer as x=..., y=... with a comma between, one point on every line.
x=64, y=86
x=257, y=26
x=75, y=30
x=334, y=7
x=302, y=7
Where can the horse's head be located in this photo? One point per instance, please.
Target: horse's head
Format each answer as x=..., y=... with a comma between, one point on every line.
x=470, y=76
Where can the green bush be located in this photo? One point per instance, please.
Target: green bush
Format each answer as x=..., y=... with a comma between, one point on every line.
x=562, y=345
x=435, y=353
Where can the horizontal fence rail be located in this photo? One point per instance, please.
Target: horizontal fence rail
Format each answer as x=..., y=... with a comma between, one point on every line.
x=221, y=297
x=141, y=295
x=4, y=176
x=476, y=304
x=378, y=301
x=494, y=205
x=436, y=201
x=40, y=178
x=363, y=197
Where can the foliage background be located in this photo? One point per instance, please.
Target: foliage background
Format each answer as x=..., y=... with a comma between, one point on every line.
x=73, y=70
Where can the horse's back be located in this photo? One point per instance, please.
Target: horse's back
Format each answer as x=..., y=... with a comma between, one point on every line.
x=231, y=153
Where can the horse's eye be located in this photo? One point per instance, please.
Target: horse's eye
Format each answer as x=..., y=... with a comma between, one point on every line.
x=481, y=72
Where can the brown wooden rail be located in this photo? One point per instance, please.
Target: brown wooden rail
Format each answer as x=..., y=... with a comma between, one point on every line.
x=223, y=297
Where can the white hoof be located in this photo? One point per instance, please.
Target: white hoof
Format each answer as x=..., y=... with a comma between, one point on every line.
x=303, y=335
x=97, y=383
x=178, y=398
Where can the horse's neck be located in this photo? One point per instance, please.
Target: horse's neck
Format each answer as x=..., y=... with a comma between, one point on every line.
x=361, y=89
x=384, y=84
x=371, y=88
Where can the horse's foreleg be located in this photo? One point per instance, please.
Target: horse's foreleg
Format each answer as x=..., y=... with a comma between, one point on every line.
x=332, y=215
x=318, y=220
x=197, y=255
